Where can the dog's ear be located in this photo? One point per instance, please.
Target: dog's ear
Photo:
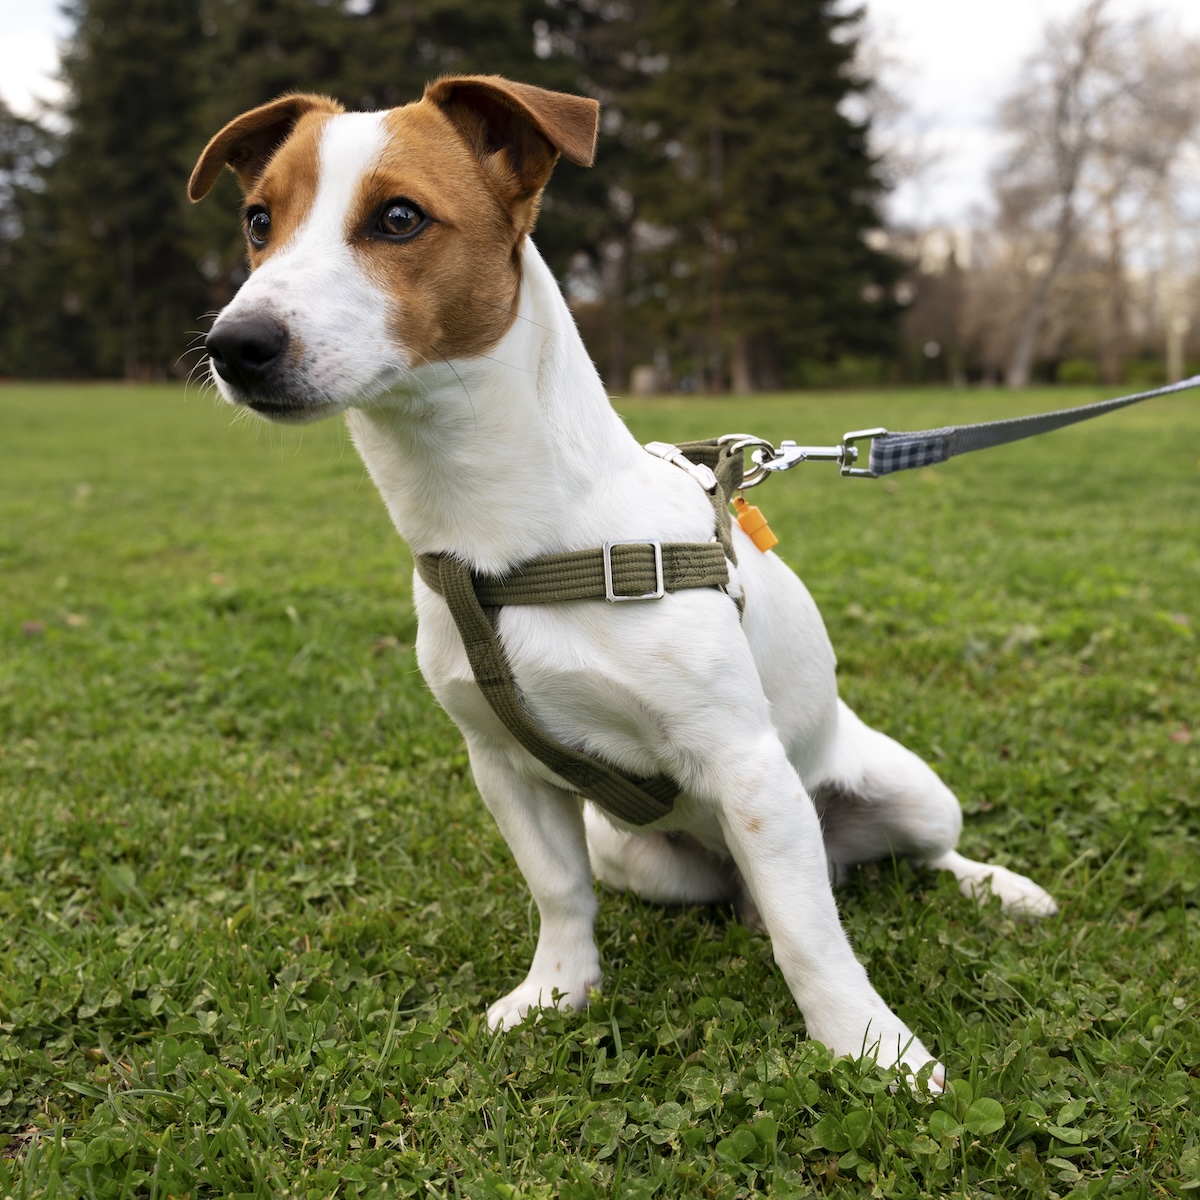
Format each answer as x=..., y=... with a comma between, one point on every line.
x=247, y=142
x=517, y=130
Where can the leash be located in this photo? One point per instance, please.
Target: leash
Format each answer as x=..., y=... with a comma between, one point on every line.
x=891, y=452
x=646, y=569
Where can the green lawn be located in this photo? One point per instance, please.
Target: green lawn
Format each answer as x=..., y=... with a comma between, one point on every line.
x=251, y=908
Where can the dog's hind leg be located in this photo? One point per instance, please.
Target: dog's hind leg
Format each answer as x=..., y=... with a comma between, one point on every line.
x=543, y=826
x=879, y=800
x=668, y=868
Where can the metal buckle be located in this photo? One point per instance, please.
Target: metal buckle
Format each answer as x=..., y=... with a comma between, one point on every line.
x=671, y=453
x=850, y=451
x=747, y=441
x=659, y=590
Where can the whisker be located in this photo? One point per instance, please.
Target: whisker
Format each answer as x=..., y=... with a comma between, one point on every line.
x=510, y=366
x=516, y=315
x=466, y=392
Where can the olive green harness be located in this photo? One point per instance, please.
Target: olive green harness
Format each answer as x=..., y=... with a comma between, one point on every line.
x=619, y=571
x=647, y=569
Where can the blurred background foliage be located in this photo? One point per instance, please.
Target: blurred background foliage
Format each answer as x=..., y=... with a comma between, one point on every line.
x=719, y=235
x=733, y=233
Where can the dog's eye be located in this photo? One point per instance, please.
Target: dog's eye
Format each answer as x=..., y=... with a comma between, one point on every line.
x=400, y=219
x=258, y=226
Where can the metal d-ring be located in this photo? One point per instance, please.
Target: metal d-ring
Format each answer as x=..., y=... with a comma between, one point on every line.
x=747, y=441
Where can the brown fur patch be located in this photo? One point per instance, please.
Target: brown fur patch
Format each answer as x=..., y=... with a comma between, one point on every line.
x=455, y=284
x=247, y=143
x=288, y=186
x=567, y=124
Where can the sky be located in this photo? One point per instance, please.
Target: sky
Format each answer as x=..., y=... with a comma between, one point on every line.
x=953, y=62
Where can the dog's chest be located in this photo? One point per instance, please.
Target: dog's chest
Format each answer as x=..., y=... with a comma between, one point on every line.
x=632, y=683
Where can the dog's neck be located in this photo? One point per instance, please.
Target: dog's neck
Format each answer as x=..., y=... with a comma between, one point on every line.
x=447, y=446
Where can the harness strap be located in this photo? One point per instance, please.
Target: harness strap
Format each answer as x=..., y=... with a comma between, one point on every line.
x=726, y=464
x=638, y=801
x=581, y=575
x=639, y=570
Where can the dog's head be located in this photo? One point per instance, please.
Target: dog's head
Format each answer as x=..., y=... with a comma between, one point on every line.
x=380, y=242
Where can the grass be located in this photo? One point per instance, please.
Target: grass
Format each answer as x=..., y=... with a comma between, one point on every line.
x=251, y=908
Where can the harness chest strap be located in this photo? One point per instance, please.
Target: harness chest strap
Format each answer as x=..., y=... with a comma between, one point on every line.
x=638, y=801
x=622, y=571
x=618, y=571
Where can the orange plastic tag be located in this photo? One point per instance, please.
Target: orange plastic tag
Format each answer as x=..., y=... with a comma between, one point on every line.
x=754, y=524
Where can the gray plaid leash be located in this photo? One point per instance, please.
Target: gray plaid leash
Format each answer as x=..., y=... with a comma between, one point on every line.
x=892, y=452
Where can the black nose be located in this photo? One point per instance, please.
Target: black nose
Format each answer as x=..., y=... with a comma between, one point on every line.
x=244, y=349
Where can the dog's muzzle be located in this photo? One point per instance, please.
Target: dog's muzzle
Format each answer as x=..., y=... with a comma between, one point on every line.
x=246, y=350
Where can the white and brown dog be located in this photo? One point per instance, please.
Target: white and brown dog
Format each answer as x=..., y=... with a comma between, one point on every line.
x=394, y=279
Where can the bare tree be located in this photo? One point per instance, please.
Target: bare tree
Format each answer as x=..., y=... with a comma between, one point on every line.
x=1096, y=126
x=1165, y=148
x=900, y=138
x=1056, y=119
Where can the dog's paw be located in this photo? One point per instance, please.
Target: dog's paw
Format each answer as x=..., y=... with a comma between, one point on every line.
x=979, y=880
x=885, y=1038
x=1017, y=894
x=511, y=1010
x=904, y=1051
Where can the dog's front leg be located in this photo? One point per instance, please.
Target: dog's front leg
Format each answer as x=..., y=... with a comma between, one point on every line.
x=543, y=826
x=771, y=827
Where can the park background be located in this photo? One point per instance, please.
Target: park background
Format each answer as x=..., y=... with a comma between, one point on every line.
x=251, y=907
x=735, y=232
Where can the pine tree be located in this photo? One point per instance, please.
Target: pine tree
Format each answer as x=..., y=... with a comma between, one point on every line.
x=725, y=212
x=763, y=186
x=30, y=308
x=115, y=192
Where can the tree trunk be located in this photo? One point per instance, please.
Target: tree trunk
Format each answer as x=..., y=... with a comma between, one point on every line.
x=129, y=287
x=1020, y=365
x=716, y=266
x=741, y=373
x=1175, y=320
x=617, y=284
x=1112, y=336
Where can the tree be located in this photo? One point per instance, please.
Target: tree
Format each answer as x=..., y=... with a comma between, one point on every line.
x=728, y=199
x=123, y=222
x=28, y=299
x=763, y=187
x=1098, y=120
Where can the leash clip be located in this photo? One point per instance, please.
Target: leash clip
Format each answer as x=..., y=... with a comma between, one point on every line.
x=850, y=452
x=768, y=458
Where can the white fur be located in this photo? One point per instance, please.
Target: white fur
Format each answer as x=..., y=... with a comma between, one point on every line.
x=313, y=286
x=518, y=453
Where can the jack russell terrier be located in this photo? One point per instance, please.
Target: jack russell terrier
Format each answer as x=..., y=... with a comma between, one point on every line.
x=394, y=279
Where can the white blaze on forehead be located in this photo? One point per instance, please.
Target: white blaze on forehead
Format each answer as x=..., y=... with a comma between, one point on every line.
x=350, y=146
x=336, y=318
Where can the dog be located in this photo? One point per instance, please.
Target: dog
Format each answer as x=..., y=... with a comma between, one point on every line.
x=394, y=279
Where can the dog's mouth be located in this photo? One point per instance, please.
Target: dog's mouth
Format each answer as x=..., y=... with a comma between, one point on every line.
x=283, y=405
x=280, y=399
x=288, y=412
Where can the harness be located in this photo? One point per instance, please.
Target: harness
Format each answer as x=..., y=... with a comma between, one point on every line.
x=618, y=572
x=647, y=569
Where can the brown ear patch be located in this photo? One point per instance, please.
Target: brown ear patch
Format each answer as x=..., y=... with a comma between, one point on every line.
x=248, y=142
x=524, y=127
